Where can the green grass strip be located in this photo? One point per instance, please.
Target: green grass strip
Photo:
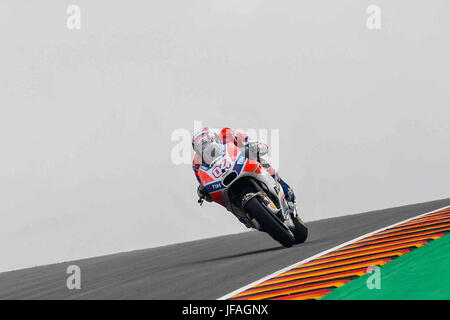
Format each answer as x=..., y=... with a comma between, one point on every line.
x=422, y=274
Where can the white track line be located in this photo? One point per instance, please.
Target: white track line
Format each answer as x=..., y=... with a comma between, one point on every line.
x=229, y=295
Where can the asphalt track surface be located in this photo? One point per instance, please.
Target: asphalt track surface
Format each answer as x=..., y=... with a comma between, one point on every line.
x=203, y=269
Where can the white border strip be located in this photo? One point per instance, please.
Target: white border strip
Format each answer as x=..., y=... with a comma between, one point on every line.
x=235, y=292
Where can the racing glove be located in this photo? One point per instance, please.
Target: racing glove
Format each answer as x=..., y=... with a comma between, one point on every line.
x=203, y=194
x=256, y=150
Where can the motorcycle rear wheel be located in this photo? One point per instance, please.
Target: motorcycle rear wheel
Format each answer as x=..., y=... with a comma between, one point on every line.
x=269, y=223
x=300, y=231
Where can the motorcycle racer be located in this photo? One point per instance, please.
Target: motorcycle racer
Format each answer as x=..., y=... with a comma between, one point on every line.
x=208, y=143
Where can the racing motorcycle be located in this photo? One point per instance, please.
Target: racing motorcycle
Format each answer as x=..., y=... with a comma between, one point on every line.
x=246, y=189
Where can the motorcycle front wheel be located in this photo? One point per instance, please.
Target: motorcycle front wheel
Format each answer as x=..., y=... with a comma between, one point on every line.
x=270, y=224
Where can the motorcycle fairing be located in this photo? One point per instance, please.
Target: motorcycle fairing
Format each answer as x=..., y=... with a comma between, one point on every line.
x=233, y=159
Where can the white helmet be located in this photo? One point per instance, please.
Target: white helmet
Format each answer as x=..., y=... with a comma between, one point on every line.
x=205, y=144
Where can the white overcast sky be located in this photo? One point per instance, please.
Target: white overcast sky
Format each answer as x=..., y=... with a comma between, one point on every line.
x=86, y=116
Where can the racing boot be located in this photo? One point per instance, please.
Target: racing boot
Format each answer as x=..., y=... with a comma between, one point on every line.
x=290, y=196
x=288, y=192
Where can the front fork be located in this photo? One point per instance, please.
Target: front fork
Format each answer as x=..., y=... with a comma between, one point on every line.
x=268, y=203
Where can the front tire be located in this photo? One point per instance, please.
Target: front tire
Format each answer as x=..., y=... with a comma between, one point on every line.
x=269, y=223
